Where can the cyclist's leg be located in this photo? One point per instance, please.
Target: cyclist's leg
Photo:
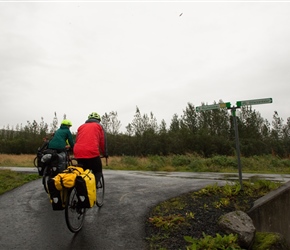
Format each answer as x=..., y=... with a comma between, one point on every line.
x=100, y=184
x=83, y=163
x=98, y=171
x=95, y=164
x=97, y=168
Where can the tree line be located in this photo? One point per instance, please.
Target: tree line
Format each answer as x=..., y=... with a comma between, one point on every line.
x=205, y=133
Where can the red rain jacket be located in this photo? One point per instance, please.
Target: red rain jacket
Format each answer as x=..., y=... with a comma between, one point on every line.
x=90, y=141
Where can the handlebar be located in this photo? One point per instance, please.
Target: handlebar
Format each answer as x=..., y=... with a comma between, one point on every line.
x=106, y=159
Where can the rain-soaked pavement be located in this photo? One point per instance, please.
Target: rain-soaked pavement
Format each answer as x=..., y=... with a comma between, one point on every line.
x=27, y=220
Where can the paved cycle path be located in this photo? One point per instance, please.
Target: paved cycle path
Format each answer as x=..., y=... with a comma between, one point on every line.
x=28, y=221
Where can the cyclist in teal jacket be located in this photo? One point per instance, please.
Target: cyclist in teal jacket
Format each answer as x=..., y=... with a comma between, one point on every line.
x=61, y=136
x=59, y=142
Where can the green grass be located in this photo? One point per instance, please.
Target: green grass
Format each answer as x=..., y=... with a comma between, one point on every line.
x=267, y=164
x=10, y=180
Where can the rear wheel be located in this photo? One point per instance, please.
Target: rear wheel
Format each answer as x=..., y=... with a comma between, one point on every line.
x=48, y=173
x=74, y=215
x=45, y=178
x=100, y=191
x=35, y=162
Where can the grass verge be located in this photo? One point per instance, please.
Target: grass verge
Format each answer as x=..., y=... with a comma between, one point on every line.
x=267, y=164
x=10, y=180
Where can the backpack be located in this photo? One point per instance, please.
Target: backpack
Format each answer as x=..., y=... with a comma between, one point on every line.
x=86, y=189
x=66, y=179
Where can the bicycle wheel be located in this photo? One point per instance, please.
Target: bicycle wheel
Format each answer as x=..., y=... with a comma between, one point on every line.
x=100, y=191
x=35, y=162
x=74, y=215
x=45, y=178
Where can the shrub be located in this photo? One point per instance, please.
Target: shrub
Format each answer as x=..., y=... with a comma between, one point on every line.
x=224, y=161
x=196, y=165
x=226, y=242
x=129, y=160
x=180, y=160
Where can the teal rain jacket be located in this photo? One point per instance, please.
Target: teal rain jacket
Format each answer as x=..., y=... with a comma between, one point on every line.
x=60, y=137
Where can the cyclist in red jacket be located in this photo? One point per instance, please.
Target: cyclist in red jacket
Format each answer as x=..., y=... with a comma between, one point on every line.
x=91, y=144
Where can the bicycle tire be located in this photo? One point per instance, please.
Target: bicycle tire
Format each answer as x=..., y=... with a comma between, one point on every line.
x=45, y=178
x=74, y=216
x=100, y=191
x=35, y=162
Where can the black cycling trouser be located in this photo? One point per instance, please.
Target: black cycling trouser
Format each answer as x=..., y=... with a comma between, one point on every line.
x=95, y=164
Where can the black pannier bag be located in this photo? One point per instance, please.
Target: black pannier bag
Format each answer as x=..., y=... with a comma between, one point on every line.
x=40, y=165
x=45, y=158
x=40, y=153
x=56, y=196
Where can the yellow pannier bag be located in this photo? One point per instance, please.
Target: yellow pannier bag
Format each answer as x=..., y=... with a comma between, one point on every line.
x=66, y=179
x=86, y=189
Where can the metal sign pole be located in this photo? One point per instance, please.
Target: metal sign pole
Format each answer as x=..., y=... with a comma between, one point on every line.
x=233, y=109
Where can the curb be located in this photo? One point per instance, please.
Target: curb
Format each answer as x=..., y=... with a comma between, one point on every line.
x=21, y=169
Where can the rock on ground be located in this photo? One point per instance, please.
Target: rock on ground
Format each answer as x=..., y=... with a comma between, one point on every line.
x=238, y=222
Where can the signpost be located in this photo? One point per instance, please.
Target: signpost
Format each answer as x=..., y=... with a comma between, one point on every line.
x=233, y=109
x=213, y=106
x=254, y=102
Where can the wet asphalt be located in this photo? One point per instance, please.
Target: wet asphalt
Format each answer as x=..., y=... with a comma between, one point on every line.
x=28, y=221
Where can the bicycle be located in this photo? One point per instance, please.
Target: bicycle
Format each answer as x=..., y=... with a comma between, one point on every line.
x=74, y=214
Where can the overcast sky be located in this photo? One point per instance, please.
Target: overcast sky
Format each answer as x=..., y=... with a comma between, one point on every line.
x=74, y=58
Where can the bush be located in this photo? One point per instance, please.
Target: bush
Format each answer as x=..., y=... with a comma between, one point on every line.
x=129, y=160
x=224, y=161
x=180, y=160
x=196, y=165
x=156, y=162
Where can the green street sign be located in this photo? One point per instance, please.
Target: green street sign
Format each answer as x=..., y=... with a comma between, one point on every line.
x=254, y=102
x=225, y=105
x=213, y=106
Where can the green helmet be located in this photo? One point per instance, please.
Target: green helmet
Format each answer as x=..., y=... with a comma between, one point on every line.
x=66, y=122
x=94, y=115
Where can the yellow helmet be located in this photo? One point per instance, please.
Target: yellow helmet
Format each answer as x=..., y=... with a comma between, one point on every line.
x=94, y=115
x=66, y=122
